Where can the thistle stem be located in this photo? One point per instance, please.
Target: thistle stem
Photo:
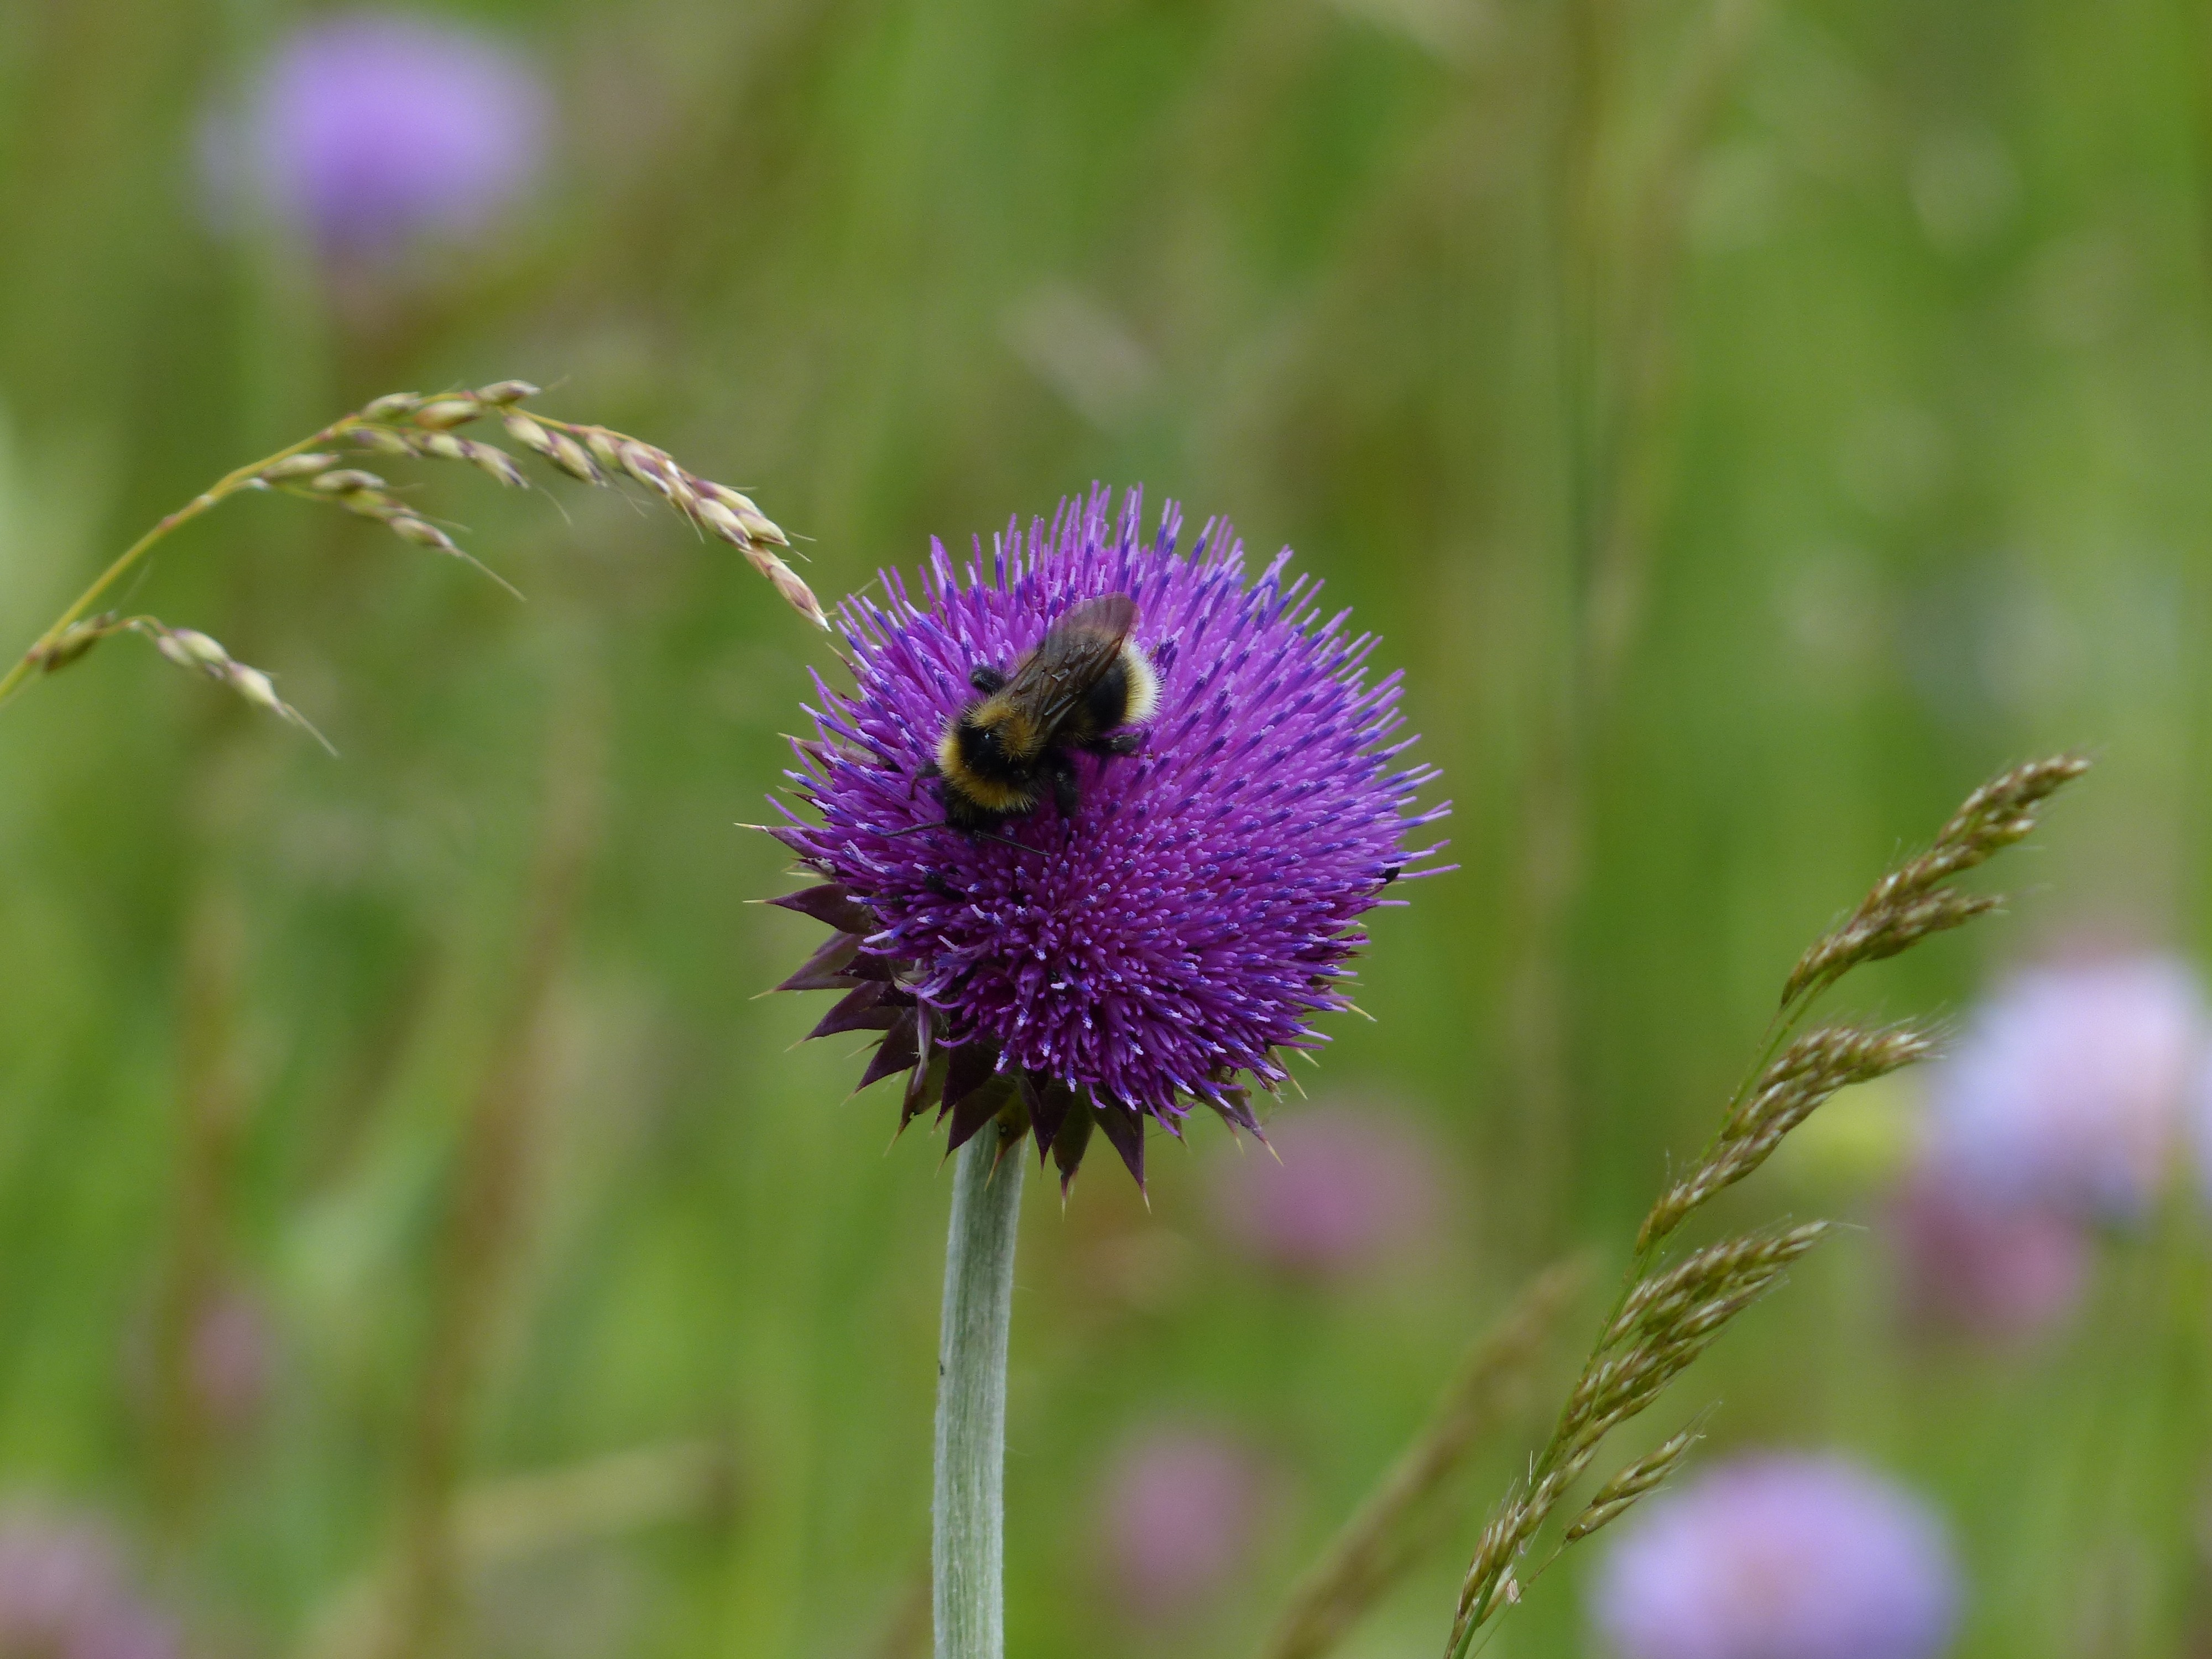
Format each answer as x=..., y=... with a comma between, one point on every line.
x=967, y=1508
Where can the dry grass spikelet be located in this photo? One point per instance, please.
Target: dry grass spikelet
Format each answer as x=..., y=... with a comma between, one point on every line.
x=413, y=426
x=1910, y=902
x=187, y=647
x=1791, y=1088
x=1669, y=1312
x=1619, y=1495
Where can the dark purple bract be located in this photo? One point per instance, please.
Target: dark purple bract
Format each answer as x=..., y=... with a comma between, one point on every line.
x=1199, y=908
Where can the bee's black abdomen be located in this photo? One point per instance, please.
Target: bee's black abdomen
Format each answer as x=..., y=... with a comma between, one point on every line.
x=1106, y=705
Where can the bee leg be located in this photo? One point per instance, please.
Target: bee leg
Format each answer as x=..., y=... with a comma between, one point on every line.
x=928, y=770
x=1126, y=741
x=987, y=679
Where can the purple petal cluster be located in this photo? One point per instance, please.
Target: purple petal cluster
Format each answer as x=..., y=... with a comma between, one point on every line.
x=370, y=129
x=1351, y=1188
x=2071, y=1087
x=1194, y=914
x=1781, y=1557
x=65, y=1594
x=1179, y=1516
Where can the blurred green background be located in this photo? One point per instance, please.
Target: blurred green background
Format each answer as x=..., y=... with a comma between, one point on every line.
x=1749, y=422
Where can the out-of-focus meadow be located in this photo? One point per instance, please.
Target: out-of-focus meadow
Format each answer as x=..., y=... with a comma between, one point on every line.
x=1750, y=422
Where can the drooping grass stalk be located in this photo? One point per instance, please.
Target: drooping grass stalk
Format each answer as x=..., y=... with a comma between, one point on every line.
x=968, y=1507
x=411, y=426
x=1668, y=1312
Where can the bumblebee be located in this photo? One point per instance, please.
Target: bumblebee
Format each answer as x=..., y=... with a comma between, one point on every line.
x=1083, y=688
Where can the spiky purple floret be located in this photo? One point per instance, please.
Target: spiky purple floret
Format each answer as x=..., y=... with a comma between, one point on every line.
x=1199, y=910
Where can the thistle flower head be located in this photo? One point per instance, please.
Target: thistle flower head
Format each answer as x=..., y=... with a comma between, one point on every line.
x=368, y=129
x=2070, y=1084
x=1780, y=1557
x=1195, y=912
x=63, y=1592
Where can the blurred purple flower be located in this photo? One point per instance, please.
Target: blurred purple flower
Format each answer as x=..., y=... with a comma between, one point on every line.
x=1180, y=1514
x=2068, y=1086
x=1201, y=905
x=1982, y=1267
x=372, y=128
x=1780, y=1557
x=1354, y=1187
x=64, y=1594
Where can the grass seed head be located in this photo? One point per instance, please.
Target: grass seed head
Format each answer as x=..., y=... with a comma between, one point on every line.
x=568, y=455
x=526, y=432
x=722, y=521
x=447, y=412
x=188, y=647
x=1619, y=1495
x=497, y=462
x=347, y=481
x=421, y=532
x=1910, y=902
x=297, y=466
x=72, y=642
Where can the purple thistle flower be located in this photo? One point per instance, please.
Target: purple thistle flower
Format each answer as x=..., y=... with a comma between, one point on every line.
x=1355, y=1188
x=1179, y=1516
x=2070, y=1085
x=64, y=1592
x=370, y=129
x=1199, y=908
x=1781, y=1557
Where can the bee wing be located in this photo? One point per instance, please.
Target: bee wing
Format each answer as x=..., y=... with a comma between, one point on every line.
x=1070, y=659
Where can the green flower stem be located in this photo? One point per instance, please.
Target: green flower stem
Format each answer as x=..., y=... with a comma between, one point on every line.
x=968, y=1510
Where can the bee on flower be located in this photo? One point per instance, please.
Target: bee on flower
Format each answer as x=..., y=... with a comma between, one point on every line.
x=1095, y=828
